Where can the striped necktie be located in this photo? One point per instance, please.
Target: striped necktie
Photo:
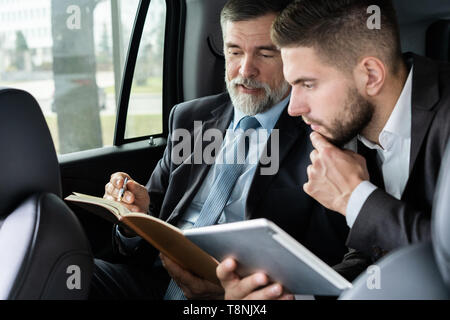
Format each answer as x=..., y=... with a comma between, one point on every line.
x=220, y=192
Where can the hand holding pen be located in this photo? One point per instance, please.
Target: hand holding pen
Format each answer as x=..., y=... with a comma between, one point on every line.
x=131, y=194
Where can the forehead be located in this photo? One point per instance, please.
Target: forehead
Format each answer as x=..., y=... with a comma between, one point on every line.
x=304, y=63
x=255, y=32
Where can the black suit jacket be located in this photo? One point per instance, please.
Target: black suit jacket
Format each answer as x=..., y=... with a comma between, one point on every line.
x=278, y=197
x=384, y=222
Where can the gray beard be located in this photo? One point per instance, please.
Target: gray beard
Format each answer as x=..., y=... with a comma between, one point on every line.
x=250, y=104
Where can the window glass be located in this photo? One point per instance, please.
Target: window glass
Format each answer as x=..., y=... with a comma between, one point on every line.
x=144, y=115
x=69, y=54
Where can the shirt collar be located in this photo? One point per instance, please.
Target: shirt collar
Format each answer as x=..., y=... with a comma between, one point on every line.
x=399, y=122
x=267, y=119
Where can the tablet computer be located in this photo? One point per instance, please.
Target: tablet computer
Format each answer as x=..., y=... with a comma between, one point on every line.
x=260, y=245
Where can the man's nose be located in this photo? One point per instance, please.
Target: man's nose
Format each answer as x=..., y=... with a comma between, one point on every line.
x=248, y=68
x=297, y=107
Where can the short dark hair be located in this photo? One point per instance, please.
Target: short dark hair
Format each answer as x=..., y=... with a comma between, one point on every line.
x=244, y=10
x=338, y=30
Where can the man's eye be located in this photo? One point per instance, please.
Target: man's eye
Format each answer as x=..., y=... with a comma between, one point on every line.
x=308, y=85
x=265, y=55
x=234, y=53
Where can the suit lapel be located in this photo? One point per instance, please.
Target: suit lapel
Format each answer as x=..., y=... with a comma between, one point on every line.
x=290, y=129
x=425, y=95
x=220, y=119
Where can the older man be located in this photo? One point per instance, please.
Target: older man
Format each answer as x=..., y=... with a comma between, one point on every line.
x=190, y=194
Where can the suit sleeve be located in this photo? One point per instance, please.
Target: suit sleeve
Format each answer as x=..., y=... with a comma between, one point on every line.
x=159, y=180
x=353, y=264
x=385, y=223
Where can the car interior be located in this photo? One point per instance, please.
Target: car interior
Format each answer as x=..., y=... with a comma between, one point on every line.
x=49, y=234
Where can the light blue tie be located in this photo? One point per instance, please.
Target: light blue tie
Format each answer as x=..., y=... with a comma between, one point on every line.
x=220, y=193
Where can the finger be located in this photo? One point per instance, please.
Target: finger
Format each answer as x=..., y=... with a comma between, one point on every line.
x=226, y=271
x=191, y=285
x=178, y=273
x=111, y=194
x=271, y=292
x=249, y=286
x=130, y=207
x=313, y=170
x=308, y=170
x=118, y=178
x=313, y=155
x=136, y=188
x=287, y=296
x=113, y=187
x=171, y=267
x=108, y=197
x=111, y=190
x=135, y=192
x=128, y=197
x=319, y=142
x=307, y=188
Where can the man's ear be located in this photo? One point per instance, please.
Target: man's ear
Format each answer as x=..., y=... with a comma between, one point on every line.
x=370, y=76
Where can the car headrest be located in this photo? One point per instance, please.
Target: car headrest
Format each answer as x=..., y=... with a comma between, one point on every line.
x=438, y=40
x=28, y=163
x=441, y=219
x=204, y=62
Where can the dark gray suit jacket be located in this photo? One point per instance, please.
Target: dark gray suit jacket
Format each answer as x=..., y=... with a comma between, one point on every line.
x=278, y=197
x=385, y=223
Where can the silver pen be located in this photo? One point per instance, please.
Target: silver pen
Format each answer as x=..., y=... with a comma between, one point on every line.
x=122, y=190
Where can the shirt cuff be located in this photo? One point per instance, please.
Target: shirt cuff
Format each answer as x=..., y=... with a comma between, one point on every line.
x=357, y=200
x=129, y=244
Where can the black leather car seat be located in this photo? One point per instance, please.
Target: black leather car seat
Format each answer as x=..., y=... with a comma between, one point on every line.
x=44, y=253
x=438, y=40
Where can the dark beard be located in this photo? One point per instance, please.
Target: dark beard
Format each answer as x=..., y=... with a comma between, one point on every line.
x=355, y=117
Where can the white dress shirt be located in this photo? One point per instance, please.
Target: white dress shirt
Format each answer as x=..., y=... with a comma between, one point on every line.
x=393, y=154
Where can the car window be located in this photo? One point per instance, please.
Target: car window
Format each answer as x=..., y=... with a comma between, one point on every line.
x=69, y=55
x=145, y=105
